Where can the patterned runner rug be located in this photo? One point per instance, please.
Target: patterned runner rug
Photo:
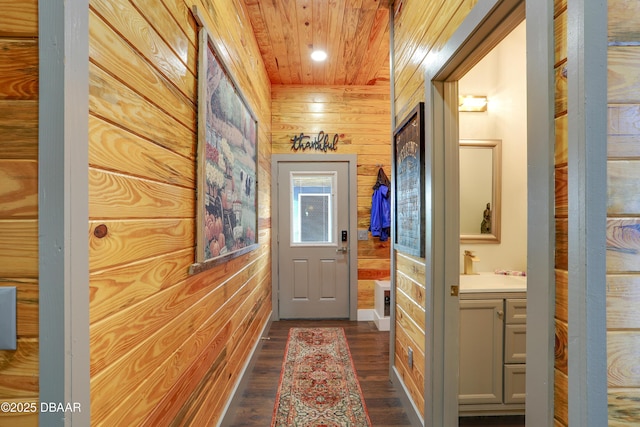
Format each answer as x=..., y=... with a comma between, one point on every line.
x=318, y=382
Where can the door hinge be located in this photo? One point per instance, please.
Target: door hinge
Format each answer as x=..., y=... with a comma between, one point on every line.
x=455, y=290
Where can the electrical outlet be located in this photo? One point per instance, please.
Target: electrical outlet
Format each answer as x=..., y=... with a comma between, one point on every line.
x=363, y=234
x=410, y=357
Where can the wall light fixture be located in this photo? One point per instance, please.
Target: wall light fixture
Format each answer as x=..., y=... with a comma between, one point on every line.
x=472, y=103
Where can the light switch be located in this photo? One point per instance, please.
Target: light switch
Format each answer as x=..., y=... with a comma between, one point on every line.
x=363, y=234
x=8, y=318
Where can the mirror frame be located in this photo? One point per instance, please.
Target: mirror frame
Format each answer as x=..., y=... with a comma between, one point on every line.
x=496, y=200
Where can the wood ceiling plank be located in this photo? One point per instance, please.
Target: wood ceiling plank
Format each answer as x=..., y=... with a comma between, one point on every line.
x=320, y=25
x=304, y=19
x=261, y=31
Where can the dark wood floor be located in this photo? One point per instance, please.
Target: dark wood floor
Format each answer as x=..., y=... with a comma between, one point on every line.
x=370, y=351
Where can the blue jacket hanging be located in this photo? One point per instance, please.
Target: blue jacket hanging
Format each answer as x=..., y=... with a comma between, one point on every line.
x=380, y=224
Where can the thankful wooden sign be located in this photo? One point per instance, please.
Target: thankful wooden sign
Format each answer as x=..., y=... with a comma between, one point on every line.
x=320, y=142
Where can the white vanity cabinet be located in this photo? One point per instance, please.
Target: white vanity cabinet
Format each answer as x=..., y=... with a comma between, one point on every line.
x=492, y=353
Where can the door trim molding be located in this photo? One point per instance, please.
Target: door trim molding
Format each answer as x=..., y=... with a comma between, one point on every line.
x=63, y=213
x=484, y=27
x=352, y=159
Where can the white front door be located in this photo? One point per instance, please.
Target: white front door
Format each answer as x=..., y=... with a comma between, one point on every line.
x=313, y=240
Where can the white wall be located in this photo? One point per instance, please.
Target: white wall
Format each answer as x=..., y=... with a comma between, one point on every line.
x=501, y=75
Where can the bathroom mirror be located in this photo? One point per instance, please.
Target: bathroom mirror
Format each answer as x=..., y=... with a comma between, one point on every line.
x=480, y=188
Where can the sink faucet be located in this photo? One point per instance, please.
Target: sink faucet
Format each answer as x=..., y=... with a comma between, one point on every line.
x=469, y=259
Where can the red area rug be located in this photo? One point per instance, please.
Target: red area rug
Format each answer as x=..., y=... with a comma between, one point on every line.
x=318, y=383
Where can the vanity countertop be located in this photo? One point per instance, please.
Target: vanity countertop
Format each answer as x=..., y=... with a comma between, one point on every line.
x=491, y=282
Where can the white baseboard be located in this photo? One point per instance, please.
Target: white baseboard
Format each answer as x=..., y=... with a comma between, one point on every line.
x=365, y=314
x=381, y=322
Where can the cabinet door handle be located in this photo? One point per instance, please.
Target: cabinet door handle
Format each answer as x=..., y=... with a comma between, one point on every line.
x=500, y=314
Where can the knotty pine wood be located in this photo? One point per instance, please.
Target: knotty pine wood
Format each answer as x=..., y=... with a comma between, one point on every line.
x=623, y=299
x=623, y=407
x=161, y=340
x=623, y=74
x=355, y=34
x=369, y=351
x=19, y=248
x=18, y=188
x=241, y=343
x=412, y=378
x=125, y=19
x=623, y=210
x=560, y=39
x=421, y=29
x=561, y=214
x=561, y=346
x=19, y=19
x=113, y=101
x=561, y=153
x=561, y=398
x=18, y=129
x=623, y=346
x=19, y=70
x=562, y=295
x=623, y=16
x=18, y=370
x=126, y=64
x=123, y=152
x=410, y=327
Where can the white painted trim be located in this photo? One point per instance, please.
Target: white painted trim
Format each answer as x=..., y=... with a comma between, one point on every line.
x=63, y=169
x=587, y=182
x=381, y=322
x=540, y=213
x=366, y=314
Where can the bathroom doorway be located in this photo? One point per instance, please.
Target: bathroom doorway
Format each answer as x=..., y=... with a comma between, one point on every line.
x=484, y=28
x=492, y=127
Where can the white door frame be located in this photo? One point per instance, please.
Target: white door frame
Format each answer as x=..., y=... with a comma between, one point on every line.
x=486, y=24
x=352, y=159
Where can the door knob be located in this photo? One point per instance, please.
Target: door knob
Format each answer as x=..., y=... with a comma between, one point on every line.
x=342, y=249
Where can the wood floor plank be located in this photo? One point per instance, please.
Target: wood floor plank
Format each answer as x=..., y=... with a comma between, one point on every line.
x=370, y=352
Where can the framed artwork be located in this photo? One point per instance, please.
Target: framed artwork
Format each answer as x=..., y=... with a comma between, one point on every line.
x=227, y=217
x=408, y=151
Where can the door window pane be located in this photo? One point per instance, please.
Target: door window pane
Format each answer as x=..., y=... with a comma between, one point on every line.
x=312, y=208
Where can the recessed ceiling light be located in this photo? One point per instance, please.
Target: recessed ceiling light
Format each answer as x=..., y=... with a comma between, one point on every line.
x=318, y=55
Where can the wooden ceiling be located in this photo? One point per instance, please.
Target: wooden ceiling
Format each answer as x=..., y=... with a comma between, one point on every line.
x=354, y=33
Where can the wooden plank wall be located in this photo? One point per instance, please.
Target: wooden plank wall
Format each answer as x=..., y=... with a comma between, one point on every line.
x=623, y=213
x=561, y=384
x=19, y=200
x=419, y=28
x=165, y=346
x=361, y=116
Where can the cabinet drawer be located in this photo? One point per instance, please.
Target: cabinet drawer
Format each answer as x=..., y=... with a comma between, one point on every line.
x=514, y=383
x=515, y=343
x=516, y=311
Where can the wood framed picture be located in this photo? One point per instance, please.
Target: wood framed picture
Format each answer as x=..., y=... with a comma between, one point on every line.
x=227, y=214
x=408, y=151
